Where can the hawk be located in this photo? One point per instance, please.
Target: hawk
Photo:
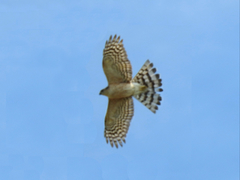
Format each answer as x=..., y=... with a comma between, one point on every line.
x=121, y=87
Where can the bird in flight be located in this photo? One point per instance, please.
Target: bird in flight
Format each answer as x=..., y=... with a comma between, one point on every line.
x=121, y=87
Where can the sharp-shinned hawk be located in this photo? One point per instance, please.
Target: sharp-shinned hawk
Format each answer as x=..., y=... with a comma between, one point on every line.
x=121, y=87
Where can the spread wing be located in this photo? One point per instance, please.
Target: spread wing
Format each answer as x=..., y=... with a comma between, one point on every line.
x=117, y=120
x=116, y=65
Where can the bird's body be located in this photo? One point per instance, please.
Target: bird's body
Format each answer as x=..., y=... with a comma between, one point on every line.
x=122, y=87
x=122, y=90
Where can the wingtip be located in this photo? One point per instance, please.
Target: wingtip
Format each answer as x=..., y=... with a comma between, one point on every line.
x=118, y=38
x=111, y=143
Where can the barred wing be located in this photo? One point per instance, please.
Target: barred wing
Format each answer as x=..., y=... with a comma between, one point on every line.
x=117, y=120
x=116, y=65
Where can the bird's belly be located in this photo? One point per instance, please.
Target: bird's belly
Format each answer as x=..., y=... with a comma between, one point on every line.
x=121, y=90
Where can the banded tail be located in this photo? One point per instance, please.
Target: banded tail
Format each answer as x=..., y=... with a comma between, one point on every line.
x=147, y=77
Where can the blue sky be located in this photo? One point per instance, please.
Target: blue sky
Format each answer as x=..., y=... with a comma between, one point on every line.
x=51, y=114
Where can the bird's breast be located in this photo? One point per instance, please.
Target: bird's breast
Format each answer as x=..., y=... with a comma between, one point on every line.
x=120, y=90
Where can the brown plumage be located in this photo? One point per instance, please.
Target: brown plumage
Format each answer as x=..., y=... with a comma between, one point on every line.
x=121, y=87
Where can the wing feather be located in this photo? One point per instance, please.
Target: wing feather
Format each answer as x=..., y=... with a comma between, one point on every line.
x=117, y=120
x=116, y=65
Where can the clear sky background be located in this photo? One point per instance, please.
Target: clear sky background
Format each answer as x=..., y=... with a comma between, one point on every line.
x=51, y=114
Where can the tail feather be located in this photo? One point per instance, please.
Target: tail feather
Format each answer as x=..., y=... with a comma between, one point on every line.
x=147, y=77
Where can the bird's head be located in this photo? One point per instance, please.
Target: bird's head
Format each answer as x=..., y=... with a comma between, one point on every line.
x=103, y=91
